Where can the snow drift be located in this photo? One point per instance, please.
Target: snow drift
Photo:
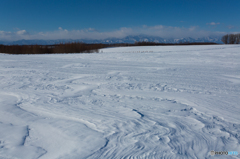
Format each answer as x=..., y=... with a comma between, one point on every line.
x=128, y=102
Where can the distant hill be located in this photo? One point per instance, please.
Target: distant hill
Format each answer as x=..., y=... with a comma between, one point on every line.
x=128, y=39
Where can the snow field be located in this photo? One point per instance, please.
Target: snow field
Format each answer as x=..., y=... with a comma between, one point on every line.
x=127, y=102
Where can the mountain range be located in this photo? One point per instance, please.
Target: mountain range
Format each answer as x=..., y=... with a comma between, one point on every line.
x=127, y=39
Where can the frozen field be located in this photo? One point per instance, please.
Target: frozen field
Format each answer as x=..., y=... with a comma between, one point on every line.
x=128, y=102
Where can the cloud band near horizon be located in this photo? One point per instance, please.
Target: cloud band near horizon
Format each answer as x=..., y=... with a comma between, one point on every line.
x=90, y=33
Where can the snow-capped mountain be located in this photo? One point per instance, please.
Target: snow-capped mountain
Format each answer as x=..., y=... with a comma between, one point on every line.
x=132, y=39
x=127, y=39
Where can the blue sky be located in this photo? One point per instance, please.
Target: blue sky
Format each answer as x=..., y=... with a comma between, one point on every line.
x=98, y=19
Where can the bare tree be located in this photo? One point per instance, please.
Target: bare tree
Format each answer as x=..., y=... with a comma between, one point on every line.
x=237, y=38
x=231, y=39
x=225, y=39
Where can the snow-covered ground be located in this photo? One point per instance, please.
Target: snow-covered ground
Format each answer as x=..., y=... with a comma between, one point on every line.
x=128, y=102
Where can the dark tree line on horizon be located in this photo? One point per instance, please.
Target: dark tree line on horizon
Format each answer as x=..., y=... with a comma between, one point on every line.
x=77, y=47
x=231, y=39
x=51, y=49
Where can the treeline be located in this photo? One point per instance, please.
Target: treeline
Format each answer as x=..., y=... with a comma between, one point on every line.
x=78, y=47
x=231, y=39
x=75, y=47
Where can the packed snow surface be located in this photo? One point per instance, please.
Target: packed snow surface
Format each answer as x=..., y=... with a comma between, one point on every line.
x=127, y=102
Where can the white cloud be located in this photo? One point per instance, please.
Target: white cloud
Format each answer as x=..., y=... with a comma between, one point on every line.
x=21, y=32
x=213, y=23
x=91, y=33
